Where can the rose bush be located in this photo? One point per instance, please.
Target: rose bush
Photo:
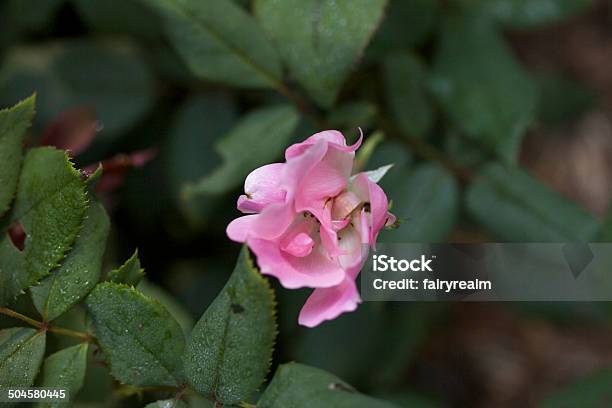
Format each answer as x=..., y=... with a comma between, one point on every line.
x=310, y=222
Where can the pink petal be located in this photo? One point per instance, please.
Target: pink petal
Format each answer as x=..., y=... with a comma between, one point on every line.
x=300, y=245
x=334, y=138
x=324, y=180
x=296, y=169
x=273, y=221
x=354, y=251
x=328, y=303
x=315, y=270
x=329, y=239
x=329, y=136
x=371, y=192
x=238, y=230
x=391, y=219
x=262, y=187
x=344, y=204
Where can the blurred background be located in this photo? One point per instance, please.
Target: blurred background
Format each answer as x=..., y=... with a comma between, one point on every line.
x=497, y=116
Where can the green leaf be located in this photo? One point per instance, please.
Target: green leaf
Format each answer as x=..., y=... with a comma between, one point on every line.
x=182, y=316
x=230, y=349
x=129, y=273
x=404, y=76
x=206, y=35
x=50, y=204
x=109, y=78
x=79, y=272
x=13, y=124
x=65, y=370
x=594, y=391
x=169, y=403
x=481, y=87
x=320, y=41
x=526, y=14
x=189, y=152
x=142, y=342
x=21, y=353
x=518, y=208
x=300, y=386
x=257, y=139
x=426, y=201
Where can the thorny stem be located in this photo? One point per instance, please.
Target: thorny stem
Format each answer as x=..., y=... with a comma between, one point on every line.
x=45, y=326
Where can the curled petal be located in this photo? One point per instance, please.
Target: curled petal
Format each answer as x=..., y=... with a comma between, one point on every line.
x=334, y=138
x=238, y=229
x=262, y=187
x=315, y=270
x=391, y=219
x=328, y=303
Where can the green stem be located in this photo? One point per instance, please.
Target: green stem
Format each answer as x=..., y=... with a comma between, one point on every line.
x=19, y=316
x=45, y=326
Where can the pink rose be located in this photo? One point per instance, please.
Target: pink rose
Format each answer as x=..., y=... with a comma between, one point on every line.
x=309, y=221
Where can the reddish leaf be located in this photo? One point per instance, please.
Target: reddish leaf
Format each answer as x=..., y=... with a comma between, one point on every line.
x=114, y=168
x=17, y=235
x=73, y=130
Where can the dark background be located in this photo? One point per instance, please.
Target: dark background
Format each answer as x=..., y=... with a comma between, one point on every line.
x=109, y=65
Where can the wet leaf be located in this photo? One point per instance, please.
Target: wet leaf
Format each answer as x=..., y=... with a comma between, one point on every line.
x=21, y=353
x=206, y=35
x=230, y=350
x=65, y=370
x=13, y=124
x=79, y=271
x=142, y=342
x=129, y=273
x=51, y=205
x=182, y=316
x=300, y=386
x=320, y=41
x=169, y=403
